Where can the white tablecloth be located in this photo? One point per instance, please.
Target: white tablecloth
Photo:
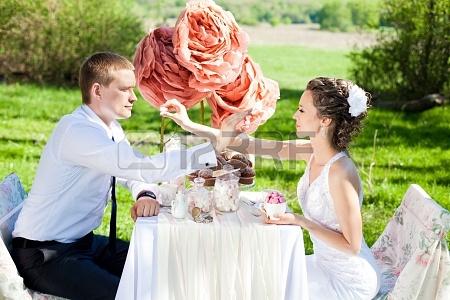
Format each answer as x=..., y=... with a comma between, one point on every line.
x=140, y=275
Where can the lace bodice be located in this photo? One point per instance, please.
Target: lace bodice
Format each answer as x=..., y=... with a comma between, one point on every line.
x=315, y=198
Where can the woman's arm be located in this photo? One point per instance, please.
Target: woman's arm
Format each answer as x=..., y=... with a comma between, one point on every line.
x=332, y=238
x=227, y=136
x=346, y=205
x=282, y=150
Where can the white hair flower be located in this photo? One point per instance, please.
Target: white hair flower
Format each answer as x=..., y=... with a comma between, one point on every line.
x=358, y=101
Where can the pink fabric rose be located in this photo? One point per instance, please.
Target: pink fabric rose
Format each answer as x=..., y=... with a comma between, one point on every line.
x=263, y=109
x=250, y=92
x=208, y=42
x=159, y=76
x=237, y=96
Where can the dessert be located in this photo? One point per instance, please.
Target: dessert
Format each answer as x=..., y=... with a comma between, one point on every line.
x=242, y=158
x=226, y=193
x=275, y=197
x=237, y=164
x=205, y=173
x=274, y=204
x=246, y=172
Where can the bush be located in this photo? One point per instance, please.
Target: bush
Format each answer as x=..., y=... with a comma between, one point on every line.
x=335, y=16
x=365, y=13
x=413, y=59
x=46, y=40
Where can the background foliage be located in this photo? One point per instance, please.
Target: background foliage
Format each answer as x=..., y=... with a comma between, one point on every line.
x=46, y=40
x=413, y=58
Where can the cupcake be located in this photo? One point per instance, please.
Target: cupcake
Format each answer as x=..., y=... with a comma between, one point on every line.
x=247, y=176
x=237, y=164
x=205, y=173
x=243, y=159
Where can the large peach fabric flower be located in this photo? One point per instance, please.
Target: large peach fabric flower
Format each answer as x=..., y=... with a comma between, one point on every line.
x=208, y=42
x=264, y=109
x=159, y=76
x=251, y=93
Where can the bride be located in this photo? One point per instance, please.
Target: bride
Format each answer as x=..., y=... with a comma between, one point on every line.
x=330, y=191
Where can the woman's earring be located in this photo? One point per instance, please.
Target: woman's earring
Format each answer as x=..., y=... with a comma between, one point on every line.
x=323, y=131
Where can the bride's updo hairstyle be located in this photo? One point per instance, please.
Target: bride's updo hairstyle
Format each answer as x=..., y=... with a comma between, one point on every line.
x=344, y=103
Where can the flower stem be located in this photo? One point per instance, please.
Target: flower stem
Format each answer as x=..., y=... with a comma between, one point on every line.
x=161, y=134
x=202, y=112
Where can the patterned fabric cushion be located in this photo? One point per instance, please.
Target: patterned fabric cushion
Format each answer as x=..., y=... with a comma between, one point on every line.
x=412, y=251
x=39, y=296
x=12, y=195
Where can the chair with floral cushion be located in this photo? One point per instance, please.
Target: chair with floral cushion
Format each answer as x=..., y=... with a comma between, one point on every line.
x=412, y=251
x=12, y=195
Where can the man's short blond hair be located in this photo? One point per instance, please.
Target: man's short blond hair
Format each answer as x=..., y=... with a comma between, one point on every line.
x=97, y=68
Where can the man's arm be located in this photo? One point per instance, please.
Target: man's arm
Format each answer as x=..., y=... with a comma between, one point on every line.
x=145, y=195
x=88, y=146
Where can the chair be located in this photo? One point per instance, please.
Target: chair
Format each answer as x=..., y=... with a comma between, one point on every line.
x=12, y=195
x=412, y=251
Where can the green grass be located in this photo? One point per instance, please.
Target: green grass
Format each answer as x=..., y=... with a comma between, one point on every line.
x=409, y=148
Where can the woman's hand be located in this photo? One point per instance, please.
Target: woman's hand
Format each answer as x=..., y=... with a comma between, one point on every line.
x=220, y=138
x=176, y=111
x=283, y=219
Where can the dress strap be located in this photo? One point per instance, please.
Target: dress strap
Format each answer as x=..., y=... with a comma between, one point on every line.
x=335, y=158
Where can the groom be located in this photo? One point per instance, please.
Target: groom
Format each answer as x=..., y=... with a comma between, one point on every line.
x=54, y=247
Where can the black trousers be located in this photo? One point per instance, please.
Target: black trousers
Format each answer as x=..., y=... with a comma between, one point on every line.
x=85, y=269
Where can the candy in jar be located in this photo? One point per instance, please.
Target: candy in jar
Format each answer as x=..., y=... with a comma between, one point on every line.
x=198, y=196
x=226, y=191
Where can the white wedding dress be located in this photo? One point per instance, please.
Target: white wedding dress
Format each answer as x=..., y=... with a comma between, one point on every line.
x=333, y=274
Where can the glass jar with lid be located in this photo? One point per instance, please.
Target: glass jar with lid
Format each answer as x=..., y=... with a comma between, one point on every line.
x=226, y=190
x=198, y=196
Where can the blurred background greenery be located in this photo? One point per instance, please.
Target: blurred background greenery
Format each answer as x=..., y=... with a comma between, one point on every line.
x=334, y=15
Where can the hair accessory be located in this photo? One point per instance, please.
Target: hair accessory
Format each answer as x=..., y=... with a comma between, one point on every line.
x=358, y=101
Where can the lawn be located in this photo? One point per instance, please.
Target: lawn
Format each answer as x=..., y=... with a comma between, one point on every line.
x=394, y=150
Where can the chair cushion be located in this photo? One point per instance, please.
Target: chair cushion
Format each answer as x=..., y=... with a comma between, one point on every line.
x=12, y=195
x=11, y=198
x=40, y=296
x=412, y=240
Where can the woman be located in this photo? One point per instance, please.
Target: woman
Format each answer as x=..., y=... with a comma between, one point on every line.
x=330, y=191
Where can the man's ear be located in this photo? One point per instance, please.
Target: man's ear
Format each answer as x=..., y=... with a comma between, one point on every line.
x=96, y=92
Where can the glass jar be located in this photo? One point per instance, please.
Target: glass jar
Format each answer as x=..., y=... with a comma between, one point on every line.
x=198, y=196
x=174, y=143
x=226, y=191
x=179, y=205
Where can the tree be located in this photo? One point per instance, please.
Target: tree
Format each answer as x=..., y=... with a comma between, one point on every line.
x=335, y=15
x=413, y=59
x=46, y=40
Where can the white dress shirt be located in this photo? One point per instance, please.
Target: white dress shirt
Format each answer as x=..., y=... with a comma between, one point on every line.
x=73, y=179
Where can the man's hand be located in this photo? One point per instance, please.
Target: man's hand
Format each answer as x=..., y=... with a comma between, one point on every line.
x=144, y=207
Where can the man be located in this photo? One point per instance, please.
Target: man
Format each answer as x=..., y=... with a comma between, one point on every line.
x=53, y=246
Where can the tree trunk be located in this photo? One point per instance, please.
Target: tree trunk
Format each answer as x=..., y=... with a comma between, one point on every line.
x=419, y=105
